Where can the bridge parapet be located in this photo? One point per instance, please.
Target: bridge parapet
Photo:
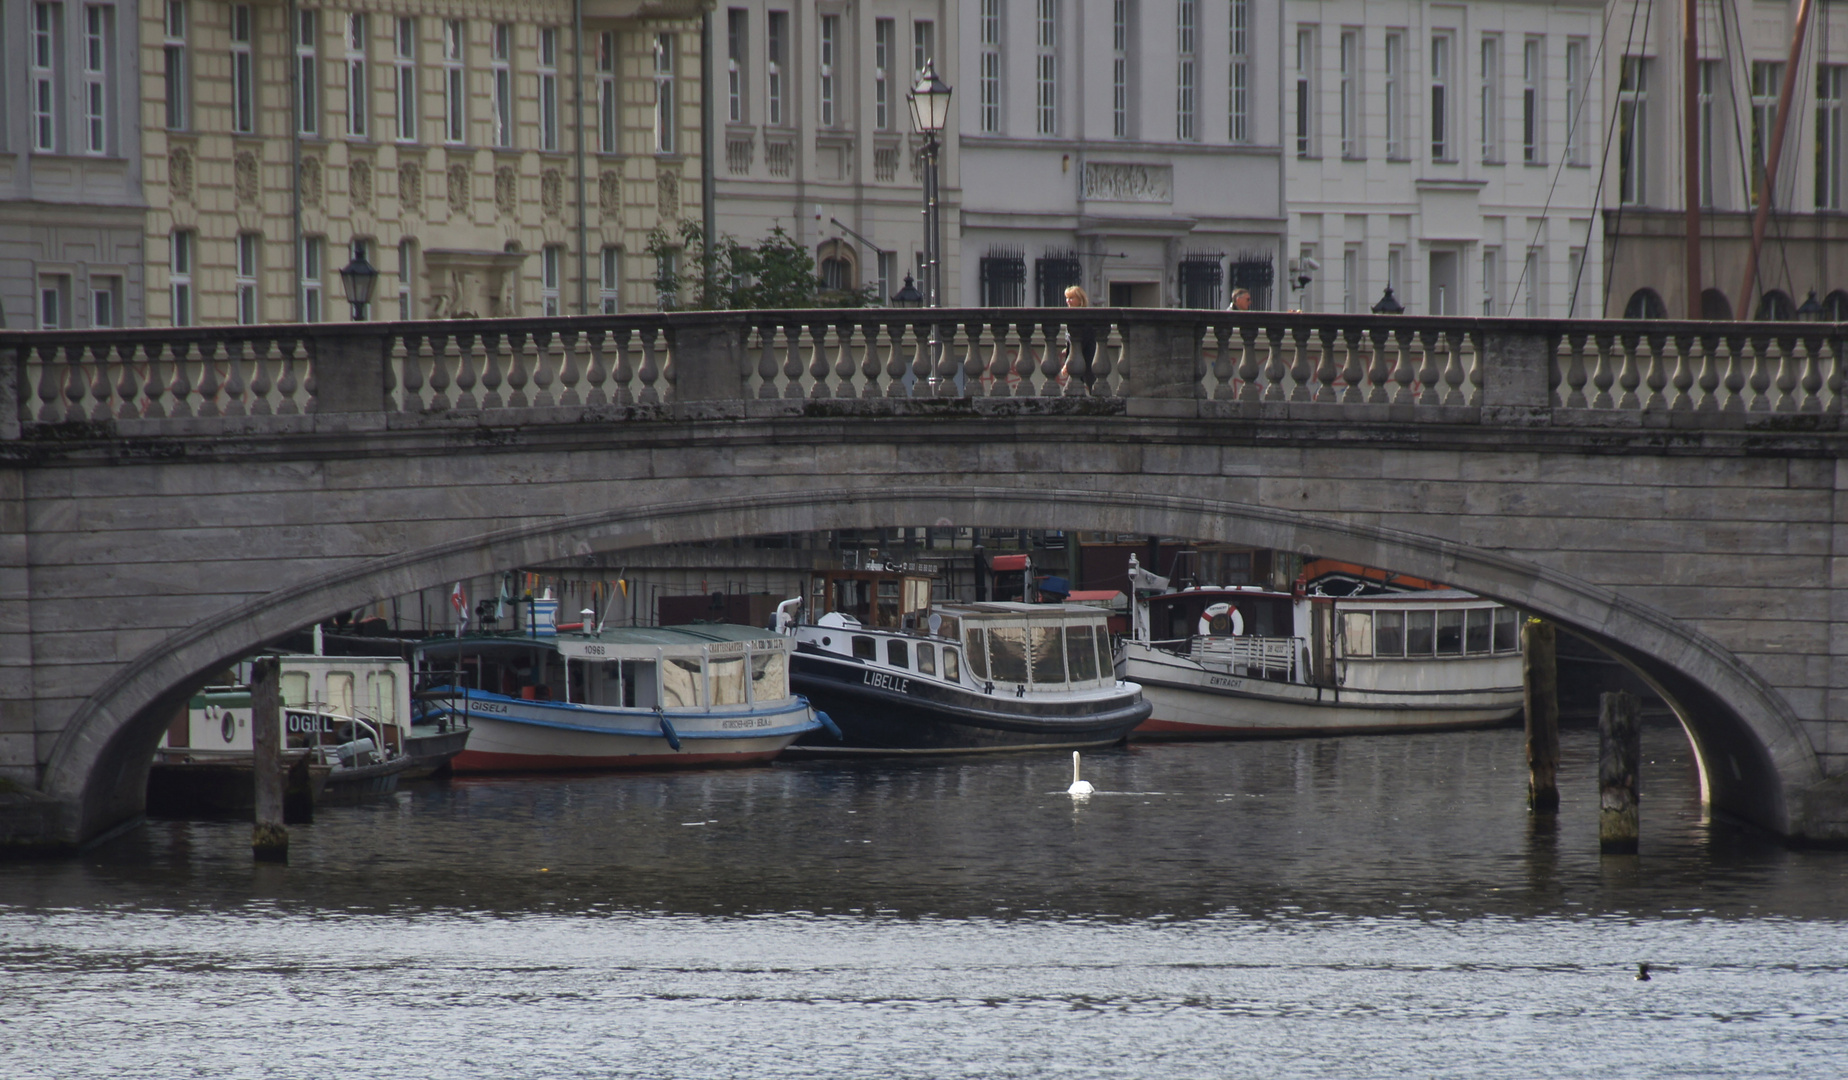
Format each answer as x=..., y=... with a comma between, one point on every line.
x=1192, y=363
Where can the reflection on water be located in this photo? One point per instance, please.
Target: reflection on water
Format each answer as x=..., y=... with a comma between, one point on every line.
x=1369, y=906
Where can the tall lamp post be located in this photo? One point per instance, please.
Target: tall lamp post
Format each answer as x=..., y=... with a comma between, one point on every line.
x=930, y=110
x=357, y=279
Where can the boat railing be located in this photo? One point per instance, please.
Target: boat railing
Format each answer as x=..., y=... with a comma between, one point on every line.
x=1257, y=657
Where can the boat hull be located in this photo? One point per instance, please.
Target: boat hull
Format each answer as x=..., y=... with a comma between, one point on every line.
x=917, y=716
x=187, y=789
x=432, y=751
x=515, y=735
x=1191, y=702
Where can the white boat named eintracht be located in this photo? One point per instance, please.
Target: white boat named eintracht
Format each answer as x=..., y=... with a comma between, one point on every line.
x=623, y=698
x=1244, y=662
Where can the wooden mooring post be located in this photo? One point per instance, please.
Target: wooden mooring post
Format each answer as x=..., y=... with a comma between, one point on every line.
x=1620, y=752
x=1540, y=674
x=269, y=839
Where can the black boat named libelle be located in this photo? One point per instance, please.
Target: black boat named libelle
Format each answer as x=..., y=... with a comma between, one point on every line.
x=963, y=678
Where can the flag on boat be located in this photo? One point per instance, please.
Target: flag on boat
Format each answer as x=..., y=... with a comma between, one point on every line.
x=460, y=603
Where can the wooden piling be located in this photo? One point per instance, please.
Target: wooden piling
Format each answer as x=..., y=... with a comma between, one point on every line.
x=1620, y=750
x=1540, y=674
x=269, y=840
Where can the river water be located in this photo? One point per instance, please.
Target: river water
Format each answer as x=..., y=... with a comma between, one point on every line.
x=1367, y=907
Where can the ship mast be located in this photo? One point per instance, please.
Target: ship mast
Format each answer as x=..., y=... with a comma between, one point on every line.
x=1777, y=146
x=1690, y=141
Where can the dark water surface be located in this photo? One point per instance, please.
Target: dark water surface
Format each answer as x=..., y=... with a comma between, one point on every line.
x=1369, y=907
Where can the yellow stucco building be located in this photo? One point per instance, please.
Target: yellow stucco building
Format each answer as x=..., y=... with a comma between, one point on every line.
x=445, y=140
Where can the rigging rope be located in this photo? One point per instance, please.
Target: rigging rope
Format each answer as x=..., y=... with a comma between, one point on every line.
x=1604, y=166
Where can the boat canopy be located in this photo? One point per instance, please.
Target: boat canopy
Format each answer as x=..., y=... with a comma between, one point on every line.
x=1046, y=645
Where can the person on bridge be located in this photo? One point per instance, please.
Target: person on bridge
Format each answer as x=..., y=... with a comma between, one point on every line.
x=1241, y=300
x=1087, y=341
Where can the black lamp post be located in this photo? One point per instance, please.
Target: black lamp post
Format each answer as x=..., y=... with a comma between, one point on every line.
x=908, y=295
x=1389, y=304
x=930, y=110
x=1810, y=310
x=357, y=279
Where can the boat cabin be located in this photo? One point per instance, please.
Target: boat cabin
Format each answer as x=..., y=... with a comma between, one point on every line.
x=666, y=667
x=1013, y=646
x=315, y=691
x=886, y=598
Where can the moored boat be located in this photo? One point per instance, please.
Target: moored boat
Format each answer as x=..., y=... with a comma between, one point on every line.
x=1244, y=662
x=621, y=698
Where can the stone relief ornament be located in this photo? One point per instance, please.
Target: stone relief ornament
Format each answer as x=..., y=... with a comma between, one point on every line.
x=1110, y=181
x=180, y=172
x=667, y=195
x=458, y=189
x=410, y=186
x=609, y=193
x=246, y=178
x=359, y=183
x=506, y=190
x=552, y=193
x=311, y=181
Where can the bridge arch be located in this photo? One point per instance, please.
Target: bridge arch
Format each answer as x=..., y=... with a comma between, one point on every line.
x=1754, y=753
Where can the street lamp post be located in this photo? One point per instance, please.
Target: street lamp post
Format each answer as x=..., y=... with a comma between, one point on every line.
x=930, y=110
x=356, y=280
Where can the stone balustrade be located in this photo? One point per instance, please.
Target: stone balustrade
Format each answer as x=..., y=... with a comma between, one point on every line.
x=764, y=363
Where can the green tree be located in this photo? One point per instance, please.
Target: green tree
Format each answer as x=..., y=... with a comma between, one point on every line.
x=729, y=276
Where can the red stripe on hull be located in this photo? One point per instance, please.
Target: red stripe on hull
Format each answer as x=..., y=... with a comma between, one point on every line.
x=479, y=761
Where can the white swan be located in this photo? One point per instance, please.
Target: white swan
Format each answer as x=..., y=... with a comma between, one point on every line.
x=1079, y=787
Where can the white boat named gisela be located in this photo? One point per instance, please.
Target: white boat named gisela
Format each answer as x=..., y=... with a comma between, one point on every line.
x=1244, y=662
x=619, y=698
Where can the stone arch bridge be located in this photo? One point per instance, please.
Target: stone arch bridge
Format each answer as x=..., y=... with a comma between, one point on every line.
x=172, y=499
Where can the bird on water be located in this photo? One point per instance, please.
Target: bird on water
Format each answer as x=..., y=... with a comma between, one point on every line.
x=1079, y=787
x=1642, y=973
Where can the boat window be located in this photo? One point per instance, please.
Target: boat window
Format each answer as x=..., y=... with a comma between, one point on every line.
x=769, y=676
x=1106, y=653
x=887, y=612
x=1080, y=653
x=1048, y=655
x=1450, y=632
x=382, y=696
x=1007, y=649
x=727, y=677
x=340, y=692
x=864, y=649
x=927, y=658
x=295, y=688
x=978, y=653
x=952, y=670
x=917, y=594
x=896, y=653
x=1389, y=633
x=642, y=685
x=1418, y=626
x=681, y=685
x=1506, y=637
x=1476, y=629
x=1357, y=633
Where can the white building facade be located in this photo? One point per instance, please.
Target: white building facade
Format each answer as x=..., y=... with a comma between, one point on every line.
x=1449, y=151
x=1127, y=146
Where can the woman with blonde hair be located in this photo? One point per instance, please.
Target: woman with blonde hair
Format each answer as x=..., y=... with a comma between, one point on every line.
x=1087, y=340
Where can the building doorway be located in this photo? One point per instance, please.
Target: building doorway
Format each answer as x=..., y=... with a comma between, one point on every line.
x=1446, y=283
x=1135, y=294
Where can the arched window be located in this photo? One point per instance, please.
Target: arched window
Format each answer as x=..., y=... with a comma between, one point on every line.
x=1714, y=305
x=1775, y=306
x=1835, y=307
x=1645, y=304
x=834, y=265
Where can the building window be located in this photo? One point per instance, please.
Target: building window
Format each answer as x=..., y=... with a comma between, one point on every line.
x=1053, y=273
x=829, y=57
x=609, y=287
x=1829, y=136
x=1575, y=265
x=1491, y=278
x=311, y=261
x=884, y=31
x=923, y=43
x=1305, y=92
x=1441, y=149
x=106, y=301
x=776, y=58
x=404, y=76
x=1490, y=95
x=737, y=40
x=54, y=301
x=664, y=93
x=1353, y=296
x=98, y=24
x=1253, y=272
x=888, y=270
x=1238, y=94
x=606, y=92
x=1534, y=274
x=1705, y=128
x=1119, y=67
x=307, y=74
x=246, y=279
x=455, y=84
x=1766, y=77
x=1351, y=145
x=989, y=76
x=1533, y=100
x=1200, y=278
x=548, y=88
x=407, y=279
x=1186, y=59
x=1395, y=270
x=551, y=261
x=178, y=78
x=179, y=276
x=1046, y=68
x=1575, y=100
x=500, y=70
x=1394, y=73
x=1632, y=130
x=356, y=75
x=243, y=70
x=1004, y=278
x=43, y=76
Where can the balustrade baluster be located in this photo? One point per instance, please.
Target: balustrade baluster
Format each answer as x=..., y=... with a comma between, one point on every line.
x=621, y=371
x=475, y=359
x=1471, y=358
x=923, y=363
x=1683, y=367
x=1430, y=369
x=1833, y=363
x=1606, y=376
x=547, y=371
x=310, y=387
x=96, y=390
x=897, y=363
x=819, y=367
x=1382, y=358
x=1280, y=357
x=946, y=361
x=970, y=363
x=1809, y=365
x=1355, y=358
x=768, y=361
x=180, y=386
x=845, y=365
x=1650, y=362
x=1250, y=364
x=573, y=366
x=1763, y=361
x=409, y=381
x=1105, y=366
x=264, y=386
x=1327, y=369
x=127, y=388
x=1408, y=357
x=794, y=362
x=442, y=371
x=1558, y=374
x=1786, y=378
x=1224, y=334
x=872, y=360
x=1001, y=370
x=1578, y=373
x=1452, y=376
x=1631, y=377
x=209, y=382
x=493, y=373
x=521, y=363
x=1735, y=365
x=649, y=372
x=237, y=384
x=1709, y=379
x=1302, y=364
x=102, y=391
